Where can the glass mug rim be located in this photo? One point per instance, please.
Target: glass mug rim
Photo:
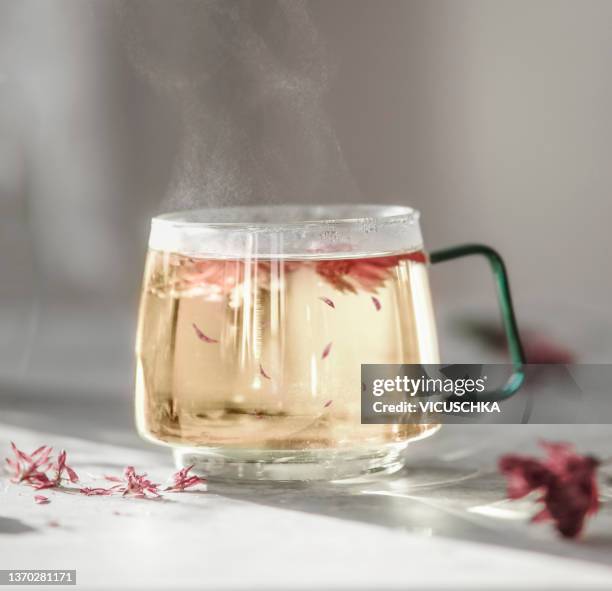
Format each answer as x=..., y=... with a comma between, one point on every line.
x=287, y=231
x=310, y=215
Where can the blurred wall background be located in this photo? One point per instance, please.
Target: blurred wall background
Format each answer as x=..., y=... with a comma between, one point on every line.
x=491, y=117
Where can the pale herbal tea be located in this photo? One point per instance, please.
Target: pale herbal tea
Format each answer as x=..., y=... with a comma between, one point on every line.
x=265, y=354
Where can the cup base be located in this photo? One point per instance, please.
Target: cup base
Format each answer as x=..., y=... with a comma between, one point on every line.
x=283, y=465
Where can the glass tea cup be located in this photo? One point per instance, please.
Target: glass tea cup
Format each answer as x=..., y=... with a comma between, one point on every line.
x=254, y=323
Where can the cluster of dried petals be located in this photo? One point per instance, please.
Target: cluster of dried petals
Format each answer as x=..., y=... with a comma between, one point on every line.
x=219, y=278
x=566, y=480
x=138, y=485
x=368, y=274
x=39, y=469
x=183, y=480
x=132, y=484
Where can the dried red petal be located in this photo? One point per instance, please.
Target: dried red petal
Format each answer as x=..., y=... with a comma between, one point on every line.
x=31, y=469
x=327, y=404
x=263, y=373
x=62, y=467
x=138, y=485
x=326, y=351
x=99, y=491
x=72, y=475
x=329, y=302
x=41, y=499
x=524, y=474
x=183, y=480
x=566, y=479
x=202, y=336
x=376, y=303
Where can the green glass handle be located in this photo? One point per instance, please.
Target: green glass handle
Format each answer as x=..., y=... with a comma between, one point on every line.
x=515, y=347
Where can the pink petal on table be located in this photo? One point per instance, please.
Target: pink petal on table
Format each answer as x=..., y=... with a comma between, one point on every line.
x=112, y=478
x=376, y=303
x=41, y=499
x=100, y=492
x=183, y=480
x=329, y=302
x=202, y=336
x=326, y=350
x=566, y=481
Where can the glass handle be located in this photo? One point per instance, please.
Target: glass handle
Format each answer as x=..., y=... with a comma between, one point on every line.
x=515, y=348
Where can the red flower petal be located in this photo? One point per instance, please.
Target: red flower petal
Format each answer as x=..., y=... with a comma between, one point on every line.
x=183, y=480
x=263, y=372
x=328, y=403
x=416, y=257
x=566, y=480
x=31, y=469
x=202, y=336
x=91, y=492
x=329, y=302
x=376, y=303
x=326, y=350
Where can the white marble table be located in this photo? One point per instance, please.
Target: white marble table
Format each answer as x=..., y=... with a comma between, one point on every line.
x=443, y=522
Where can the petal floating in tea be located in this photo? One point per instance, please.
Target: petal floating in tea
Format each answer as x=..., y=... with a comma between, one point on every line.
x=263, y=373
x=329, y=302
x=376, y=303
x=328, y=403
x=369, y=274
x=202, y=336
x=326, y=350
